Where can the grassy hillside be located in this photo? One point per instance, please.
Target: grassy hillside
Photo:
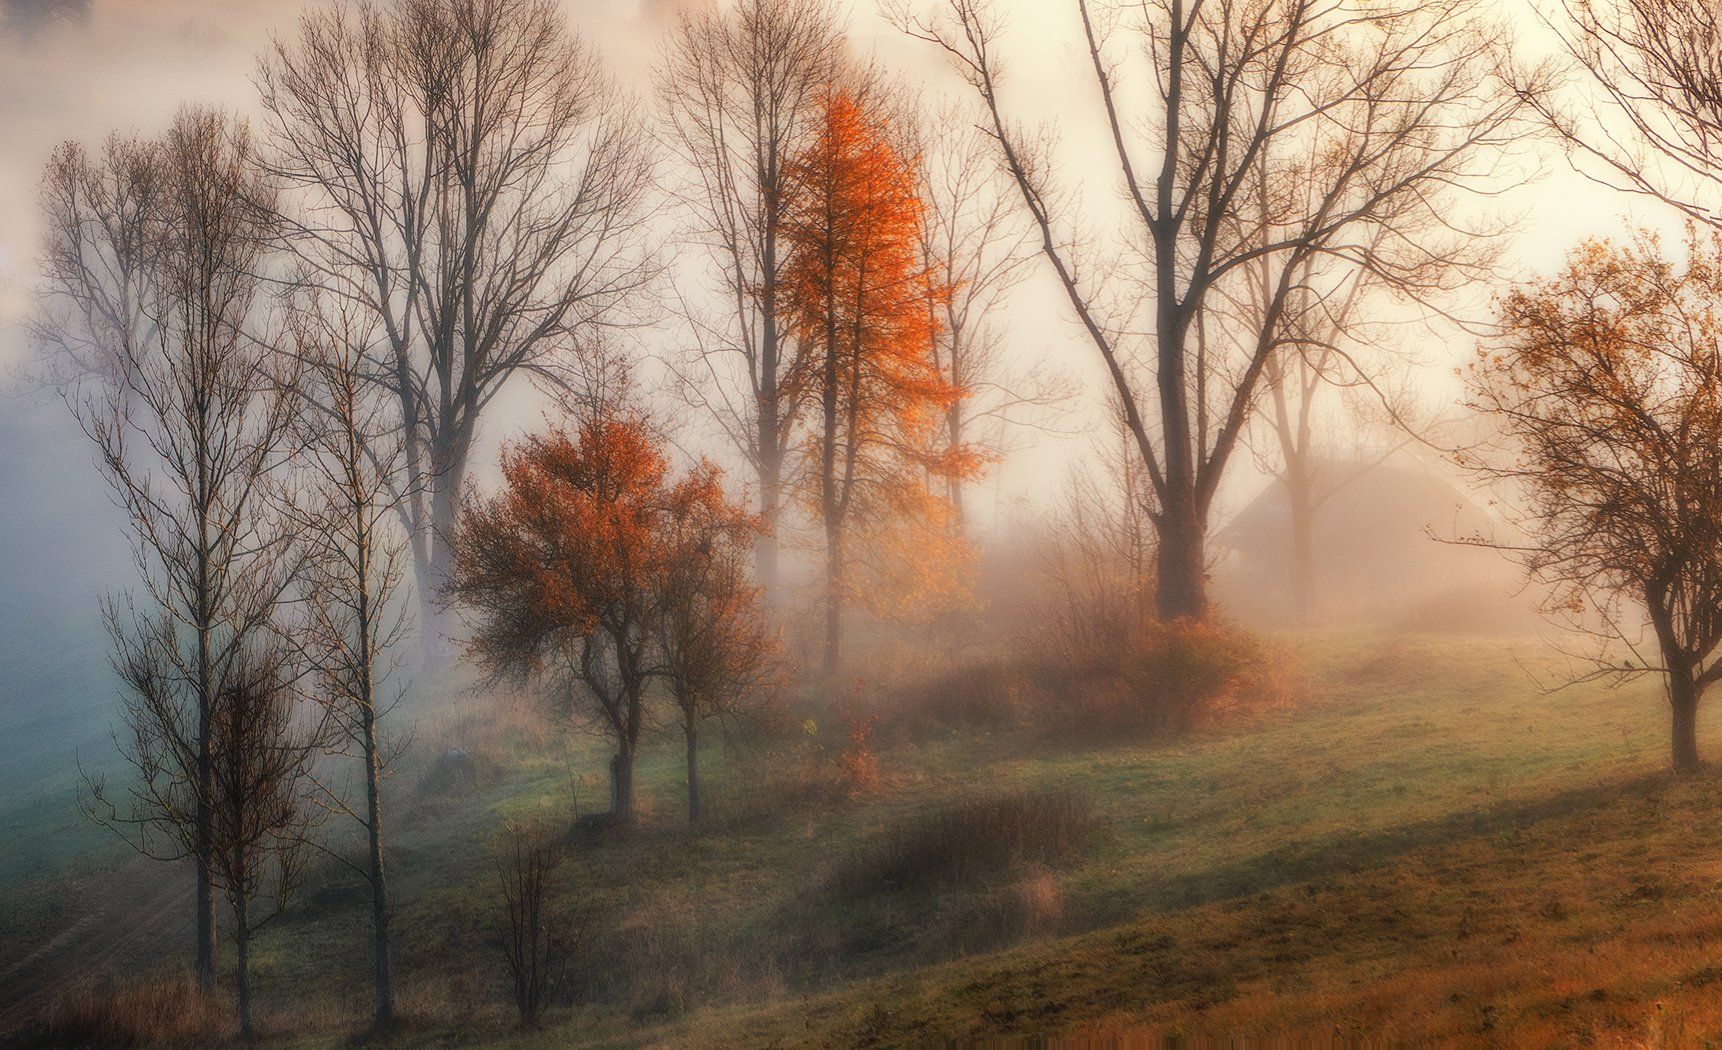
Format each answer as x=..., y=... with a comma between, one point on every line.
x=1426, y=845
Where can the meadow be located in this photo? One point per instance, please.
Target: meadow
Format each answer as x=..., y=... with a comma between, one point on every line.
x=1419, y=842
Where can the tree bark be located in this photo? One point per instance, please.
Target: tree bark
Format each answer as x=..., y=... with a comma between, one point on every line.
x=242, y=976
x=766, y=551
x=1181, y=586
x=1302, y=548
x=1683, y=697
x=622, y=784
x=833, y=597
x=383, y=986
x=445, y=507
x=205, y=968
x=691, y=731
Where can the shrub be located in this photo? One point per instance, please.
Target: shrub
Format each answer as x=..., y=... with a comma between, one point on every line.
x=988, y=693
x=537, y=941
x=973, y=839
x=1174, y=677
x=857, y=765
x=1168, y=679
x=151, y=1013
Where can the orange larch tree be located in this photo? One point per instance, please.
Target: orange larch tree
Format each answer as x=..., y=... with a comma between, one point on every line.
x=856, y=295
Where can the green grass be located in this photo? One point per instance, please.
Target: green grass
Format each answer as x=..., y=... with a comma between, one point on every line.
x=1418, y=789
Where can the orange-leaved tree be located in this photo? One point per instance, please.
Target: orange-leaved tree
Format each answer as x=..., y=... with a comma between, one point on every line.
x=715, y=651
x=856, y=295
x=1607, y=385
x=568, y=569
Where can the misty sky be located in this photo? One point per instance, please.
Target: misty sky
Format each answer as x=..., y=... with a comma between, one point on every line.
x=132, y=62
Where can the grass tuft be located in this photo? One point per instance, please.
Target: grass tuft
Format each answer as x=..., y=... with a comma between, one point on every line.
x=166, y=1013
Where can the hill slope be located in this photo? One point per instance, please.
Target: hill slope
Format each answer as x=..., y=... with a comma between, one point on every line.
x=1427, y=847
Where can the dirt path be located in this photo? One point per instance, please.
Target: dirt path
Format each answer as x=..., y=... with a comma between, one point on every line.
x=130, y=928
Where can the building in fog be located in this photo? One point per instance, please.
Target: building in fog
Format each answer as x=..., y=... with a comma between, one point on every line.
x=1383, y=550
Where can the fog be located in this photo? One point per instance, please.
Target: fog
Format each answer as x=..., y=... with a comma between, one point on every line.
x=129, y=64
x=1393, y=577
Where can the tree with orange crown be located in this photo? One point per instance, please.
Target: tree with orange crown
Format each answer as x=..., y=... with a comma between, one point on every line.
x=856, y=295
x=574, y=569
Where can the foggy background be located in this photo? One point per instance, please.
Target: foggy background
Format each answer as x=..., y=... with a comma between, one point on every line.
x=80, y=70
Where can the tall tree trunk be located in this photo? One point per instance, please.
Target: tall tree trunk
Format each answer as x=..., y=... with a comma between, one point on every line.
x=692, y=732
x=242, y=975
x=622, y=783
x=766, y=549
x=438, y=626
x=1302, y=566
x=769, y=420
x=1683, y=697
x=1181, y=585
x=383, y=986
x=833, y=596
x=205, y=817
x=205, y=968
x=205, y=830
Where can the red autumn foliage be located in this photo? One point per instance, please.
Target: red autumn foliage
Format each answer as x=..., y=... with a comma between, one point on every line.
x=595, y=567
x=856, y=294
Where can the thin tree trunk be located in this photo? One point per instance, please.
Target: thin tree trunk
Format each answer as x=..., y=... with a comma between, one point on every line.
x=770, y=456
x=692, y=732
x=205, y=968
x=1683, y=697
x=384, y=1004
x=766, y=550
x=205, y=831
x=242, y=935
x=1302, y=549
x=445, y=506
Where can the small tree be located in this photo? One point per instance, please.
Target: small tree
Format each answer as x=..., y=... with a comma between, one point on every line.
x=1607, y=386
x=536, y=939
x=259, y=822
x=563, y=570
x=352, y=459
x=715, y=648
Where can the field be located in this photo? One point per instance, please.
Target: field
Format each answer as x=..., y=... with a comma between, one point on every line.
x=1422, y=845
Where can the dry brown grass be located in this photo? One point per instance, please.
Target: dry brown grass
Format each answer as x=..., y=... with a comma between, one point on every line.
x=1596, y=926
x=159, y=1013
x=975, y=839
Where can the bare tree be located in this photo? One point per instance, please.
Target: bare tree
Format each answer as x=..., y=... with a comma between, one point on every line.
x=261, y=822
x=741, y=92
x=469, y=177
x=351, y=452
x=162, y=281
x=1649, y=108
x=973, y=238
x=1395, y=99
x=1607, y=387
x=536, y=938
